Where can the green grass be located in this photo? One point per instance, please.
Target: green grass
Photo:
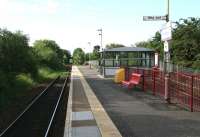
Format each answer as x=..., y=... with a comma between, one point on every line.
x=13, y=87
x=47, y=73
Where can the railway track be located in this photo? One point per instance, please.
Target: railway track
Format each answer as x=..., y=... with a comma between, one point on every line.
x=41, y=116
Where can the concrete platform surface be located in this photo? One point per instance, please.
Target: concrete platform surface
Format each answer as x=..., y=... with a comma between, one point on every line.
x=140, y=114
x=85, y=115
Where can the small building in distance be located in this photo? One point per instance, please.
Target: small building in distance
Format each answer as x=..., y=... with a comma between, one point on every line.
x=127, y=57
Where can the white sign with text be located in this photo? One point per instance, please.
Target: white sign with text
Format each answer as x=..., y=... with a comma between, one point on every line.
x=166, y=32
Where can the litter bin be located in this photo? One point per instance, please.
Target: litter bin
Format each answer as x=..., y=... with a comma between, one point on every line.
x=119, y=75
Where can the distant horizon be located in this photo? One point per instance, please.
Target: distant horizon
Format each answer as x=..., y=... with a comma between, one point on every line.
x=74, y=23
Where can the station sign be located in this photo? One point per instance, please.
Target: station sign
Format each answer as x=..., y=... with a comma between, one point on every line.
x=154, y=18
x=166, y=32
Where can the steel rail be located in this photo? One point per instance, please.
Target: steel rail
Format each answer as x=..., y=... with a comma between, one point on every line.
x=28, y=107
x=56, y=107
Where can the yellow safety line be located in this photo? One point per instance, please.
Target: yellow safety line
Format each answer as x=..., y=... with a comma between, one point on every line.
x=105, y=124
x=68, y=120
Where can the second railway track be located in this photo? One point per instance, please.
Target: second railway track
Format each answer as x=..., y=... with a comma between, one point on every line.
x=39, y=116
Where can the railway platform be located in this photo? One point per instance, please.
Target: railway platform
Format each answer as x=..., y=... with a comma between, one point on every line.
x=86, y=116
x=99, y=107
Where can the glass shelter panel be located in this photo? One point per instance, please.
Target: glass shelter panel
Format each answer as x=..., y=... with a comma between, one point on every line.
x=109, y=62
x=123, y=54
x=129, y=59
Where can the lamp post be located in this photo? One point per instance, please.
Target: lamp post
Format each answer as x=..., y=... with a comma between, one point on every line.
x=89, y=43
x=102, y=54
x=101, y=36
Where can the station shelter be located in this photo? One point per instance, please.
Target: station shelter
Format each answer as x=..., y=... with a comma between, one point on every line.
x=126, y=57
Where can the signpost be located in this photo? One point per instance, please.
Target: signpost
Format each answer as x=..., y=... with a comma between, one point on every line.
x=154, y=18
x=166, y=36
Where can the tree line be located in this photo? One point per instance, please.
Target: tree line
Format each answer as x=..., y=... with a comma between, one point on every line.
x=79, y=56
x=20, y=63
x=16, y=56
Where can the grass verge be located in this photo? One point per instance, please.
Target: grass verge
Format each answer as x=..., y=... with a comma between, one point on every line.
x=12, y=88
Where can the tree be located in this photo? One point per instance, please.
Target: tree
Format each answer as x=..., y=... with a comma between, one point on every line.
x=96, y=48
x=114, y=45
x=66, y=56
x=143, y=44
x=185, y=48
x=78, y=56
x=186, y=42
x=95, y=54
x=88, y=56
x=15, y=54
x=155, y=43
x=48, y=53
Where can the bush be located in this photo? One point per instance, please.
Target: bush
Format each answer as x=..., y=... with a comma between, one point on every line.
x=15, y=54
x=47, y=54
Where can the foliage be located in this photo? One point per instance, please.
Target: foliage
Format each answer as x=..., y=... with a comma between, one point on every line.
x=46, y=73
x=155, y=43
x=96, y=48
x=114, y=45
x=20, y=67
x=95, y=54
x=66, y=56
x=48, y=53
x=143, y=44
x=14, y=87
x=88, y=56
x=186, y=42
x=15, y=54
x=185, y=45
x=78, y=56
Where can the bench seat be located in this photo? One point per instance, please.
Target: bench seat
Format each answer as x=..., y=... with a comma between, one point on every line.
x=134, y=80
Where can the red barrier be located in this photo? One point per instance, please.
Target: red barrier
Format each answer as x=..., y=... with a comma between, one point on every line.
x=147, y=79
x=184, y=88
x=196, y=93
x=158, y=83
x=181, y=89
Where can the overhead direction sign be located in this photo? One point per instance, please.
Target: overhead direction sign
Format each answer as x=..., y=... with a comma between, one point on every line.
x=154, y=18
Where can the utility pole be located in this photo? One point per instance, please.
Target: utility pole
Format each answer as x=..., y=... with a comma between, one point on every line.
x=101, y=38
x=102, y=52
x=166, y=36
x=89, y=43
x=167, y=56
x=167, y=11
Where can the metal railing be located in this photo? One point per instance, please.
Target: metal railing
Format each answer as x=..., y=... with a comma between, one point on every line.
x=184, y=88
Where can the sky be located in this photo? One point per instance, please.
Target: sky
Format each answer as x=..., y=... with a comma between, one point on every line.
x=74, y=23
